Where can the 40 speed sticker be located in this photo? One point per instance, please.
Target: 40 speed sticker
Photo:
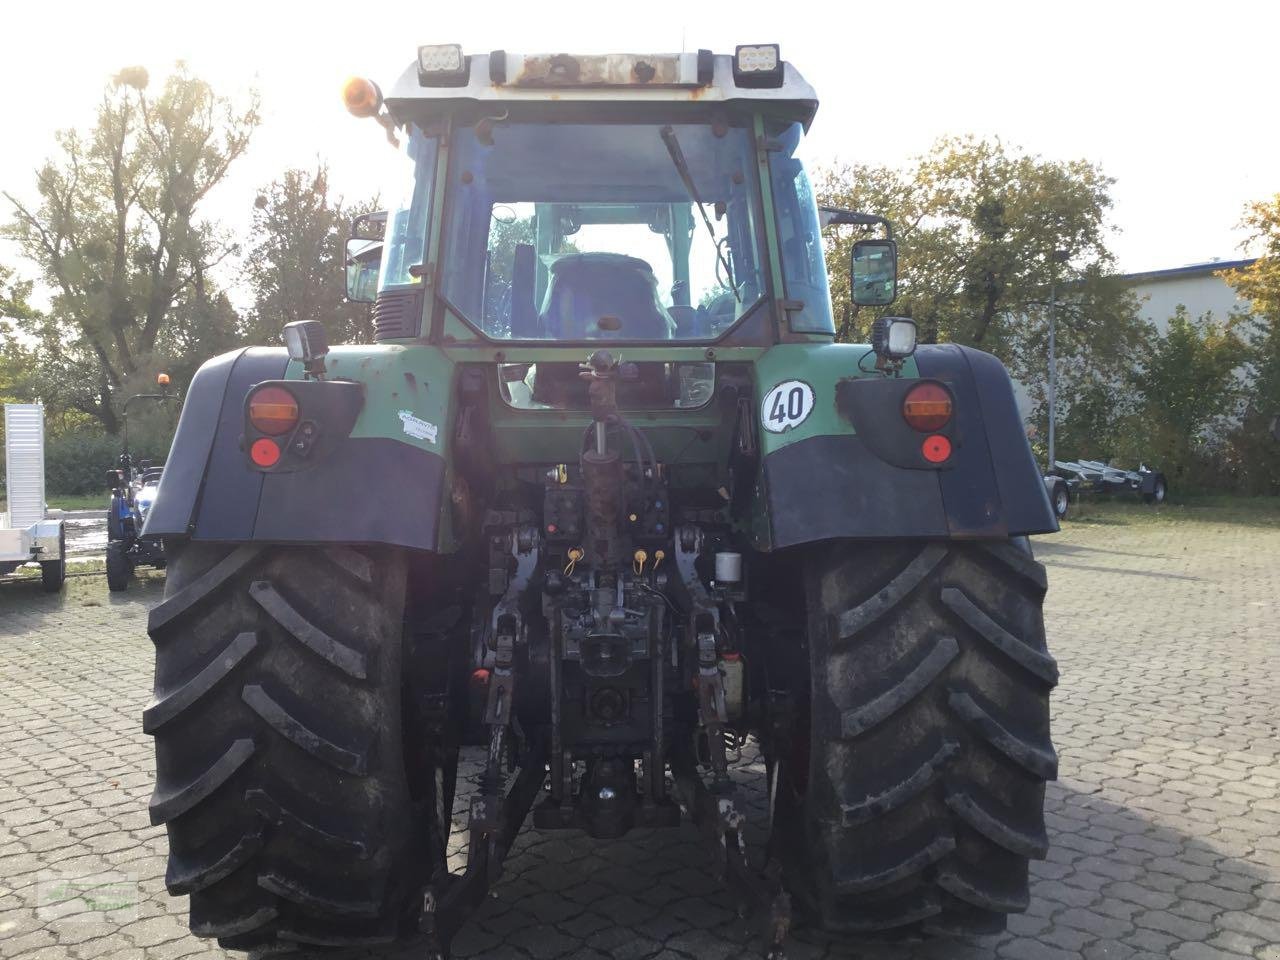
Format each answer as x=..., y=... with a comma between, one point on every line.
x=786, y=405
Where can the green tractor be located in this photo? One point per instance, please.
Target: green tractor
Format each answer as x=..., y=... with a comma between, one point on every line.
x=605, y=501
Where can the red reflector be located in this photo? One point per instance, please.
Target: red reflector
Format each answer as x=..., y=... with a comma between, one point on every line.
x=273, y=410
x=264, y=452
x=480, y=676
x=927, y=407
x=936, y=448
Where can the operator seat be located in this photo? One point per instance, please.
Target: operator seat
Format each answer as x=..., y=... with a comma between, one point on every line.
x=604, y=296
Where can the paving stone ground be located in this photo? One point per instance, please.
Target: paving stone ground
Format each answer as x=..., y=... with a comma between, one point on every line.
x=1165, y=823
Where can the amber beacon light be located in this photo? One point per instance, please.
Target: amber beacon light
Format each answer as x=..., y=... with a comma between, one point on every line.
x=361, y=97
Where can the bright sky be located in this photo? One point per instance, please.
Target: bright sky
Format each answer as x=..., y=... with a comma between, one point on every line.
x=1170, y=98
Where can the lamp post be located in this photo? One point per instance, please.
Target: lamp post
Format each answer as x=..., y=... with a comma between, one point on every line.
x=1059, y=256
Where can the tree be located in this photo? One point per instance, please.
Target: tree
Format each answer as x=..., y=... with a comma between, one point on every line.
x=1259, y=282
x=1189, y=386
x=118, y=235
x=296, y=264
x=504, y=236
x=15, y=360
x=978, y=225
x=1255, y=454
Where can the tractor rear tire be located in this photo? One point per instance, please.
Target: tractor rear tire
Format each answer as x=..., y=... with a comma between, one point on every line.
x=921, y=742
x=280, y=772
x=119, y=567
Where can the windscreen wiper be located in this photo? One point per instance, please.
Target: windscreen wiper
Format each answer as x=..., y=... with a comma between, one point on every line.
x=682, y=168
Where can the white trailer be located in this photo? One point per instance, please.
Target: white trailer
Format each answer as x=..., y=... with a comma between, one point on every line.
x=27, y=535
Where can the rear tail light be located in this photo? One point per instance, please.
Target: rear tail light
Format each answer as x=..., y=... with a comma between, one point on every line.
x=927, y=407
x=264, y=452
x=273, y=411
x=936, y=449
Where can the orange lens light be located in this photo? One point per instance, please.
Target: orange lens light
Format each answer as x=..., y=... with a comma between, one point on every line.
x=936, y=449
x=162, y=379
x=273, y=411
x=362, y=97
x=927, y=407
x=264, y=452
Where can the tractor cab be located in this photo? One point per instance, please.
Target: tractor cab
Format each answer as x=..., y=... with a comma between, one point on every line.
x=635, y=199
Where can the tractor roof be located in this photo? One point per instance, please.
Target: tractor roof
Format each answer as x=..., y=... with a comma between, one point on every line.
x=501, y=78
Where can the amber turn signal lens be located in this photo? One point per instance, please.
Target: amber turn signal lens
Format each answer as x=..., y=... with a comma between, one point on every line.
x=273, y=411
x=936, y=449
x=927, y=407
x=362, y=97
x=264, y=452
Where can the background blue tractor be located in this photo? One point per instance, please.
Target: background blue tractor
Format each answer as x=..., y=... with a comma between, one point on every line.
x=133, y=489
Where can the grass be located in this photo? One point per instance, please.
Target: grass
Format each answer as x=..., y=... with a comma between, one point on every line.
x=82, y=501
x=71, y=501
x=1216, y=508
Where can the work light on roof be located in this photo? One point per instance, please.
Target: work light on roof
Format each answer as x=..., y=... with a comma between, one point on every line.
x=757, y=65
x=442, y=64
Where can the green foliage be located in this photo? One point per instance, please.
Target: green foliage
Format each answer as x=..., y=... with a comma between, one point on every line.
x=15, y=360
x=116, y=230
x=1189, y=385
x=1254, y=455
x=504, y=237
x=977, y=226
x=295, y=264
x=1096, y=425
x=77, y=463
x=1260, y=282
x=1173, y=410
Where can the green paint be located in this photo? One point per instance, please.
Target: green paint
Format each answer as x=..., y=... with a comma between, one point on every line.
x=822, y=365
x=770, y=217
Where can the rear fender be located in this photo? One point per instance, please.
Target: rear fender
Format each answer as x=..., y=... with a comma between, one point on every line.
x=853, y=467
x=378, y=477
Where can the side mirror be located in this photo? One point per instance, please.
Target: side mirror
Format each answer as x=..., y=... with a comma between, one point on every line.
x=873, y=273
x=114, y=480
x=363, y=261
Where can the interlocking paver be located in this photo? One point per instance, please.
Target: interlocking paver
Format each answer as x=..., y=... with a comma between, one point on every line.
x=1163, y=824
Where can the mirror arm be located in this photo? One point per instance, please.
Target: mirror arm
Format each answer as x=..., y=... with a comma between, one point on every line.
x=834, y=216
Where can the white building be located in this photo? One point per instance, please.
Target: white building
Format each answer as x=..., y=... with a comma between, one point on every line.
x=1196, y=287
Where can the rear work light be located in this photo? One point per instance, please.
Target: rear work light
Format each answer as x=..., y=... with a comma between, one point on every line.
x=442, y=65
x=927, y=407
x=757, y=65
x=273, y=411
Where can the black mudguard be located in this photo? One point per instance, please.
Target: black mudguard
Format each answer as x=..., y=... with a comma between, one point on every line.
x=875, y=485
x=364, y=490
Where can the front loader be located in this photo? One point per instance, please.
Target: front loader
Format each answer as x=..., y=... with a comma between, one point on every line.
x=604, y=498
